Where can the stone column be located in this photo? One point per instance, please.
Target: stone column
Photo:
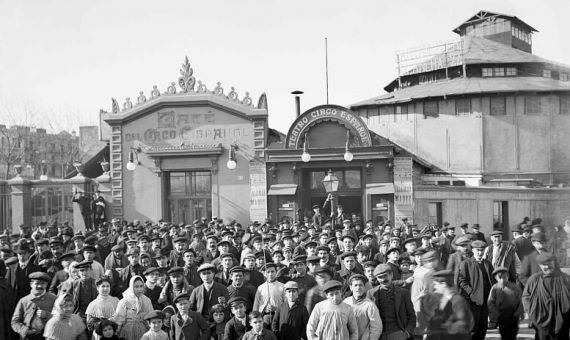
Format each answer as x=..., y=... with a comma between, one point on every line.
x=21, y=201
x=79, y=186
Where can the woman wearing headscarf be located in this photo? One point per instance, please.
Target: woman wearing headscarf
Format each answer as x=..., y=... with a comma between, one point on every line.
x=132, y=309
x=64, y=325
x=103, y=307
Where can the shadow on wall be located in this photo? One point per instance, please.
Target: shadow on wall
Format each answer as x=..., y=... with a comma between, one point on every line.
x=232, y=210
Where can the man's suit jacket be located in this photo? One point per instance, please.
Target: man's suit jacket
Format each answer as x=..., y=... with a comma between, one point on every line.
x=405, y=315
x=198, y=297
x=471, y=284
x=529, y=267
x=74, y=288
x=523, y=247
x=21, y=288
x=453, y=263
x=505, y=258
x=235, y=329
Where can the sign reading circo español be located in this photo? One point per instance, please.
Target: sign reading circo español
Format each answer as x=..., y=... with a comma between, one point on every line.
x=328, y=112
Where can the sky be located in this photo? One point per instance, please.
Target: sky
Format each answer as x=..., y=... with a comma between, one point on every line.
x=62, y=61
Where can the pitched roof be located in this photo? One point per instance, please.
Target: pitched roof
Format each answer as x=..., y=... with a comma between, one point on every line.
x=462, y=86
x=482, y=15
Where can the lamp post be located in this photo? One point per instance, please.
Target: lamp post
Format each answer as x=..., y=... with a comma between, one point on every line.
x=331, y=183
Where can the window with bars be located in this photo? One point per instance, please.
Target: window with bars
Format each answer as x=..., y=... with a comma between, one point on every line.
x=431, y=109
x=498, y=106
x=499, y=71
x=532, y=104
x=462, y=106
x=511, y=71
x=487, y=72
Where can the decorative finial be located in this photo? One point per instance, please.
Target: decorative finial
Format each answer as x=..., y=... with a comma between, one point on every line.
x=262, y=102
x=247, y=99
x=171, y=89
x=141, y=98
x=115, y=106
x=219, y=90
x=128, y=104
x=233, y=94
x=155, y=92
x=186, y=81
x=202, y=87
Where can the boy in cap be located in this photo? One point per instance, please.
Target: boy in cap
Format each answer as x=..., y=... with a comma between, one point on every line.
x=291, y=317
x=475, y=280
x=151, y=288
x=332, y=318
x=209, y=293
x=33, y=310
x=238, y=325
x=257, y=332
x=176, y=285
x=366, y=313
x=239, y=287
x=270, y=294
x=505, y=305
x=155, y=331
x=187, y=324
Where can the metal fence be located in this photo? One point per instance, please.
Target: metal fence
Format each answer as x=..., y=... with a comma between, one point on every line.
x=51, y=202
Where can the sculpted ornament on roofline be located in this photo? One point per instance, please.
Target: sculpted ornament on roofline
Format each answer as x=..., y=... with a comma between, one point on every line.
x=127, y=104
x=233, y=94
x=202, y=87
x=171, y=89
x=247, y=99
x=115, y=106
x=186, y=81
x=155, y=92
x=219, y=90
x=141, y=98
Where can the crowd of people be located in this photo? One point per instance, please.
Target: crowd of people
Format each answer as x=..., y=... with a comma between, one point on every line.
x=306, y=280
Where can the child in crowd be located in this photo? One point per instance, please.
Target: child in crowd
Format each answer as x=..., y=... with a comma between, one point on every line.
x=168, y=311
x=405, y=264
x=237, y=326
x=505, y=306
x=219, y=316
x=64, y=325
x=155, y=332
x=257, y=331
x=107, y=330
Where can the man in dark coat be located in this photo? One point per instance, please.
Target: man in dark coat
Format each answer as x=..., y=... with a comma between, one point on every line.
x=83, y=290
x=502, y=254
x=546, y=299
x=475, y=281
x=18, y=275
x=477, y=235
x=395, y=305
x=209, y=293
x=238, y=325
x=8, y=298
x=529, y=266
x=463, y=251
x=291, y=318
x=133, y=269
x=239, y=287
x=522, y=244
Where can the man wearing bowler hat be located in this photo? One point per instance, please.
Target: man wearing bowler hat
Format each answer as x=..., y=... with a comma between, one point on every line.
x=475, y=280
x=33, y=310
x=394, y=304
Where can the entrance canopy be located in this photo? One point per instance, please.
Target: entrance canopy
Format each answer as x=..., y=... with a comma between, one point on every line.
x=282, y=189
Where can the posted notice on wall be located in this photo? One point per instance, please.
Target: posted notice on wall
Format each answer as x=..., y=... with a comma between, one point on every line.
x=258, y=192
x=403, y=188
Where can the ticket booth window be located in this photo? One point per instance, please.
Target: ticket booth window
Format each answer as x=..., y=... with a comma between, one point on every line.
x=189, y=196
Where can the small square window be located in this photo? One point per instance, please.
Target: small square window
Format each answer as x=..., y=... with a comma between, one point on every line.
x=499, y=72
x=487, y=72
x=462, y=106
x=498, y=106
x=431, y=109
x=546, y=73
x=563, y=76
x=532, y=105
x=511, y=71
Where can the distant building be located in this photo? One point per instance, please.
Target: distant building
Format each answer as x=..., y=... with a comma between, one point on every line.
x=36, y=150
x=489, y=115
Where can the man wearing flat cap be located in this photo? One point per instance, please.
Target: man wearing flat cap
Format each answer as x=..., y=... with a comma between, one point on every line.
x=462, y=251
x=209, y=293
x=530, y=266
x=240, y=288
x=394, y=304
x=522, y=244
x=502, y=254
x=33, y=310
x=367, y=315
x=546, y=299
x=18, y=275
x=332, y=318
x=475, y=280
x=291, y=317
x=82, y=290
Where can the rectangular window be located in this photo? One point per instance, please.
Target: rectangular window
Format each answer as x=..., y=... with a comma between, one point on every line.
x=563, y=76
x=435, y=213
x=511, y=71
x=401, y=113
x=487, y=72
x=348, y=179
x=431, y=109
x=498, y=71
x=498, y=106
x=546, y=73
x=565, y=104
x=463, y=106
x=532, y=105
x=500, y=215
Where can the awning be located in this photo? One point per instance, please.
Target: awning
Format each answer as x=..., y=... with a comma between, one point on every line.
x=379, y=188
x=282, y=189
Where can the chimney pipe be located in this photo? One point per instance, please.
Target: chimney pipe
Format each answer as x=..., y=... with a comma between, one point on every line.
x=297, y=102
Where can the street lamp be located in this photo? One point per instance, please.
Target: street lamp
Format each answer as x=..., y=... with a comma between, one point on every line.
x=232, y=164
x=331, y=183
x=306, y=156
x=348, y=156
